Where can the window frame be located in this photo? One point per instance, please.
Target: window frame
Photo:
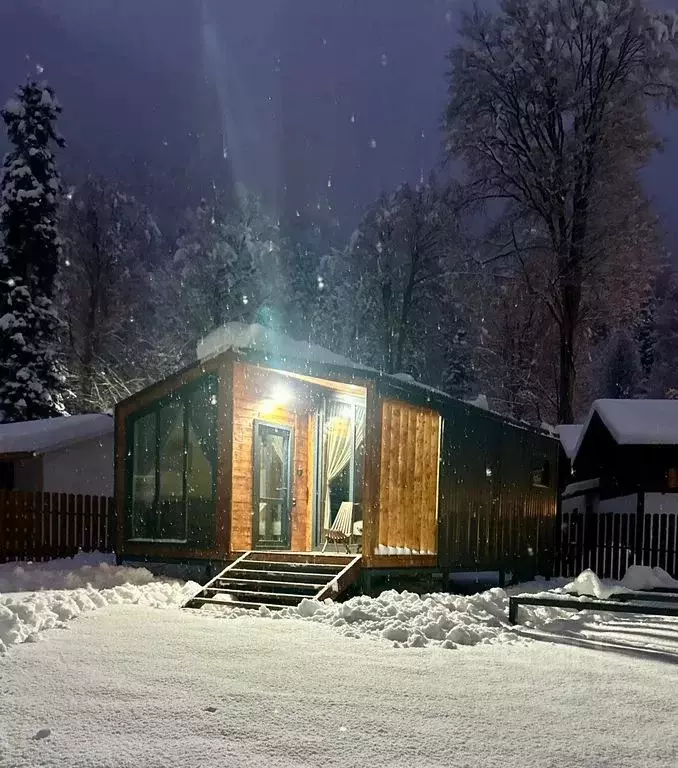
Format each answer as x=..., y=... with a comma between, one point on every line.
x=184, y=395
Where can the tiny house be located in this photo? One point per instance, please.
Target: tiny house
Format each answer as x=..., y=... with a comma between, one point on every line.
x=265, y=444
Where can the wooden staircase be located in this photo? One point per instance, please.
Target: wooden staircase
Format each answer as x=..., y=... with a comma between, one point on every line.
x=278, y=579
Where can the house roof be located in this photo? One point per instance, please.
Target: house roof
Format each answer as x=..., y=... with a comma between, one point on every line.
x=277, y=349
x=636, y=422
x=44, y=435
x=240, y=337
x=569, y=436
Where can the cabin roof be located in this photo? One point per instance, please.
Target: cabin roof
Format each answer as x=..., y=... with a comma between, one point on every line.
x=260, y=344
x=569, y=437
x=635, y=422
x=44, y=435
x=257, y=338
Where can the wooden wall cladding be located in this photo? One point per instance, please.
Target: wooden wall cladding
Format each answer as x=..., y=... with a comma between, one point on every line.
x=408, y=486
x=252, y=387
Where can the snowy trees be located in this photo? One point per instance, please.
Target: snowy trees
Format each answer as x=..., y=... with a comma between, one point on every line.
x=225, y=268
x=622, y=369
x=548, y=110
x=398, y=267
x=109, y=242
x=31, y=379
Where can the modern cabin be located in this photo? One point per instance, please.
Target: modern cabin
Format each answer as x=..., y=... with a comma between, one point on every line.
x=267, y=445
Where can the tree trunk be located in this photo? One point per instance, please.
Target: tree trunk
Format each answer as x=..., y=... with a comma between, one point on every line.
x=571, y=301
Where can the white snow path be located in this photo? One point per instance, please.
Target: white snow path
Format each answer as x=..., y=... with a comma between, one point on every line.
x=130, y=686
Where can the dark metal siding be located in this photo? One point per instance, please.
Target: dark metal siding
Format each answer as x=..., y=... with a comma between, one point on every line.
x=492, y=515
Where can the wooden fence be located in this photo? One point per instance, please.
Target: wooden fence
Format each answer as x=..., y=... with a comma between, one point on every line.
x=609, y=542
x=44, y=526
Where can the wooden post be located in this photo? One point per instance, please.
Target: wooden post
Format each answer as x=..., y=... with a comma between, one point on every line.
x=640, y=527
x=225, y=458
x=372, y=472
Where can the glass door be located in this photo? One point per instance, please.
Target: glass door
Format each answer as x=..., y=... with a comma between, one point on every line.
x=272, y=498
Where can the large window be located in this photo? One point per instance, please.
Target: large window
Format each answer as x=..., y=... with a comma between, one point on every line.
x=172, y=467
x=341, y=456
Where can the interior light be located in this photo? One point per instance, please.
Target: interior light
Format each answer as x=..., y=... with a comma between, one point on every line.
x=281, y=394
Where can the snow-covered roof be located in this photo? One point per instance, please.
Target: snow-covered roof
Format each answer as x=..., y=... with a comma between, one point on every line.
x=575, y=489
x=44, y=435
x=240, y=336
x=569, y=436
x=258, y=338
x=636, y=422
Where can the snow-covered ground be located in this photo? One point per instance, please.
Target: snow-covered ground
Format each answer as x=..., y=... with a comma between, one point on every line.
x=396, y=680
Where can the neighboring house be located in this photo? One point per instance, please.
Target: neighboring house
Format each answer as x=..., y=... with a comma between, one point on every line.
x=622, y=490
x=265, y=443
x=568, y=435
x=66, y=454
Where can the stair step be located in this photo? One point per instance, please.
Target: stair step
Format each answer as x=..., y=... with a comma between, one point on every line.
x=280, y=574
x=288, y=584
x=324, y=567
x=259, y=593
x=197, y=602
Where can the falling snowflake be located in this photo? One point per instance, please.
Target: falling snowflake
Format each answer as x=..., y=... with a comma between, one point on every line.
x=245, y=300
x=329, y=183
x=321, y=283
x=298, y=214
x=39, y=68
x=353, y=118
x=67, y=262
x=373, y=143
x=384, y=60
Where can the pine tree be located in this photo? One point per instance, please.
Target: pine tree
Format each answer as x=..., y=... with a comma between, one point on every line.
x=31, y=378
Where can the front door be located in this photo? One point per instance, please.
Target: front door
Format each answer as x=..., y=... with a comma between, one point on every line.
x=272, y=486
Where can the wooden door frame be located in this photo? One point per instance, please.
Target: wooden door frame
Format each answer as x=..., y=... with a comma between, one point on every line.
x=286, y=526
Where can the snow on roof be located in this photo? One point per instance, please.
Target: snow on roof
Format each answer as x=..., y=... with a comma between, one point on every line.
x=240, y=336
x=636, y=422
x=576, y=489
x=44, y=435
x=569, y=436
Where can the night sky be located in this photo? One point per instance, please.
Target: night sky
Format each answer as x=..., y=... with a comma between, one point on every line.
x=309, y=102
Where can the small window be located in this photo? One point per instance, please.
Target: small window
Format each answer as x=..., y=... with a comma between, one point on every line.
x=541, y=477
x=6, y=475
x=672, y=477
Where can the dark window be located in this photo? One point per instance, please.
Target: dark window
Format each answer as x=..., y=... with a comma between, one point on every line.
x=172, y=463
x=6, y=475
x=541, y=477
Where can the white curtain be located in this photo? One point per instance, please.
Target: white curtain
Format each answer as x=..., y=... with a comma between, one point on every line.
x=338, y=447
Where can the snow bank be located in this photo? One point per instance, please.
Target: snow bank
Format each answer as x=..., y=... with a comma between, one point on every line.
x=643, y=577
x=587, y=583
x=409, y=620
x=637, y=577
x=22, y=617
x=85, y=569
